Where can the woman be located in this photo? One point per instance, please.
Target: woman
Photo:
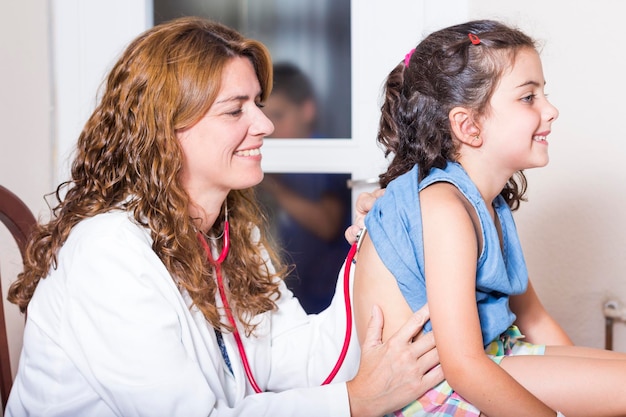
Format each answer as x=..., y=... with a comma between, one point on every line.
x=125, y=315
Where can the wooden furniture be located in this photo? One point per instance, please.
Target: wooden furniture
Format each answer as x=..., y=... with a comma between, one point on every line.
x=18, y=218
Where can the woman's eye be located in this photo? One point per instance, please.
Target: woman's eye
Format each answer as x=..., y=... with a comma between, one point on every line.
x=260, y=105
x=234, y=112
x=529, y=98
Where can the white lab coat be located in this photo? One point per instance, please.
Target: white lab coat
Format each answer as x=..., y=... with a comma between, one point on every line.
x=109, y=334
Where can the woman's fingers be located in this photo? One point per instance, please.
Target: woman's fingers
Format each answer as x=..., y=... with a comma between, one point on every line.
x=364, y=203
x=393, y=373
x=413, y=326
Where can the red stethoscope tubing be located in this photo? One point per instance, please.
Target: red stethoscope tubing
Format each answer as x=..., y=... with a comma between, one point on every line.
x=217, y=264
x=348, y=305
x=242, y=353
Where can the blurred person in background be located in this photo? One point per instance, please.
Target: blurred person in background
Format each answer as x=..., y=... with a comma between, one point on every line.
x=308, y=211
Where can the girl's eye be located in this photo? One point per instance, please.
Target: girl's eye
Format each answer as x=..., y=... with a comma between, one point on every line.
x=529, y=98
x=260, y=105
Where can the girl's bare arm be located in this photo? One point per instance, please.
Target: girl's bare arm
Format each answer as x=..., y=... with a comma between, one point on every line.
x=535, y=322
x=451, y=250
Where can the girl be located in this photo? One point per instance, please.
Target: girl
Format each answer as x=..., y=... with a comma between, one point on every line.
x=463, y=115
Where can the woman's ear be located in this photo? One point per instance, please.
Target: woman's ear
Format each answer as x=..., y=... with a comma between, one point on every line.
x=463, y=127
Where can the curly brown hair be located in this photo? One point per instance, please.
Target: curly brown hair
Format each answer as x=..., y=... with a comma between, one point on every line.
x=128, y=156
x=444, y=71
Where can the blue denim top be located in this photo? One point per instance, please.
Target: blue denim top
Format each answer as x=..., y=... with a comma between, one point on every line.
x=395, y=227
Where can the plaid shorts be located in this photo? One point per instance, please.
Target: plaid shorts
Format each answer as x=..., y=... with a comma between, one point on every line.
x=509, y=344
x=442, y=401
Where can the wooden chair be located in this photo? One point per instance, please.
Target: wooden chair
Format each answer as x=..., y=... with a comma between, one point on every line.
x=18, y=218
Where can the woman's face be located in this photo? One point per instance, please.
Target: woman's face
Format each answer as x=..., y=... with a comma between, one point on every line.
x=222, y=151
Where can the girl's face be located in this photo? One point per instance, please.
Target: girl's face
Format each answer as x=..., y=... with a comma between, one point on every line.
x=518, y=122
x=222, y=151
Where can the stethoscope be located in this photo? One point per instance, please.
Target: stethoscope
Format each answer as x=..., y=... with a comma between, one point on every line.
x=217, y=265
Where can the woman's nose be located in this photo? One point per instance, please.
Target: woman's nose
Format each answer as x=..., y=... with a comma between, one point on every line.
x=262, y=124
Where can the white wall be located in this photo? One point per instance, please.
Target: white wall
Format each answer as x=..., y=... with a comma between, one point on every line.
x=26, y=150
x=572, y=228
x=82, y=59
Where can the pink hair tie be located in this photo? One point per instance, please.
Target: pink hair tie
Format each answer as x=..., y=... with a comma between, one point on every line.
x=407, y=57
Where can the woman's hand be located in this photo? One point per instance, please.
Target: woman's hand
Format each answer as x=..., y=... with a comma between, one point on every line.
x=364, y=203
x=394, y=373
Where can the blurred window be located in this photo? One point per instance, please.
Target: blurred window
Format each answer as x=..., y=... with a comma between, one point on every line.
x=310, y=35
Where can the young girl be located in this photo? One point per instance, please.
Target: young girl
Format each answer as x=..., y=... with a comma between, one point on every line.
x=463, y=115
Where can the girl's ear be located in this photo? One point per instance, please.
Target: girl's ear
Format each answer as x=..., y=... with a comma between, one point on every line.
x=463, y=127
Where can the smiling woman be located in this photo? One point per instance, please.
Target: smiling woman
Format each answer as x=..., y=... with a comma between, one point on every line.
x=128, y=314
x=222, y=151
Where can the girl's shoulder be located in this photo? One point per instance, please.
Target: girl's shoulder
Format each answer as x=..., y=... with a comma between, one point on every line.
x=443, y=193
x=445, y=200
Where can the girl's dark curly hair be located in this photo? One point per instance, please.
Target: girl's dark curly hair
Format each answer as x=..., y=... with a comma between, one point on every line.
x=445, y=70
x=128, y=156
